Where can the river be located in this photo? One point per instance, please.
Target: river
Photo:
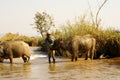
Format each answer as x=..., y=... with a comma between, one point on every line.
x=63, y=69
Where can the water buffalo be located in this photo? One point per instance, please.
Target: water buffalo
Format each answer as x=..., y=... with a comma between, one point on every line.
x=109, y=50
x=80, y=44
x=14, y=49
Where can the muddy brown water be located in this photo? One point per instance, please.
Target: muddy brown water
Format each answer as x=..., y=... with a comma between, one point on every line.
x=63, y=69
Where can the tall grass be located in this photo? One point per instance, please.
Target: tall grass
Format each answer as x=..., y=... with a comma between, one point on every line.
x=83, y=27
x=32, y=41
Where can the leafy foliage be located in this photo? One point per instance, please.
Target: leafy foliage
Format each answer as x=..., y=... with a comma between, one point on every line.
x=43, y=22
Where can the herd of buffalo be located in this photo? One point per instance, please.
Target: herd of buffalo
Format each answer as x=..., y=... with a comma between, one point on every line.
x=77, y=46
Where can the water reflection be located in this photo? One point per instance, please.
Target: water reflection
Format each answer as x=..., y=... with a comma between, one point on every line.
x=52, y=67
x=88, y=70
x=14, y=70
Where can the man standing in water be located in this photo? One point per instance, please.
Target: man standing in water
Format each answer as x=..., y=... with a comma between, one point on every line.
x=49, y=41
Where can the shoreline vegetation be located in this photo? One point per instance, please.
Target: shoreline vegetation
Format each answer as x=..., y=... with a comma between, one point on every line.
x=32, y=41
x=107, y=39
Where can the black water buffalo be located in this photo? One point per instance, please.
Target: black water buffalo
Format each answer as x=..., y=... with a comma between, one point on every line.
x=110, y=49
x=80, y=44
x=14, y=49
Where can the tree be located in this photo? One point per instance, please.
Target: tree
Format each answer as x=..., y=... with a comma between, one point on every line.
x=43, y=22
x=96, y=20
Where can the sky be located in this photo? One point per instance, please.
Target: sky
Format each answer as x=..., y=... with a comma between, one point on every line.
x=16, y=16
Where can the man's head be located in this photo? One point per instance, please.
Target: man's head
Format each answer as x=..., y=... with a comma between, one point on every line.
x=48, y=33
